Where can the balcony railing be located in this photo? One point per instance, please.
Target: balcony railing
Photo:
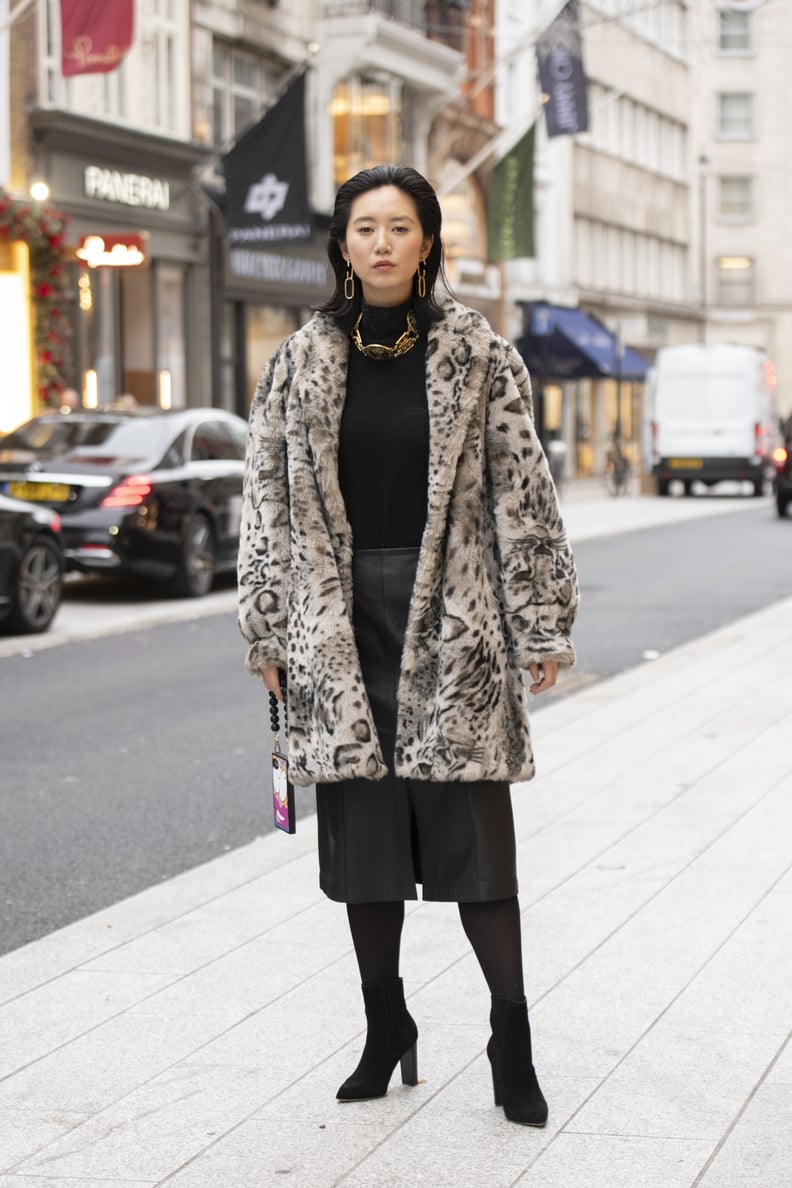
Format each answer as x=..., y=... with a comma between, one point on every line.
x=405, y=12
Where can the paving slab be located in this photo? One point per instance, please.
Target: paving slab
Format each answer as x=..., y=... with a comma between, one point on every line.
x=195, y=1034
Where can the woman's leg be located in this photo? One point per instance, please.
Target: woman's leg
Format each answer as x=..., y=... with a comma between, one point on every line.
x=493, y=929
x=391, y=1034
x=376, y=934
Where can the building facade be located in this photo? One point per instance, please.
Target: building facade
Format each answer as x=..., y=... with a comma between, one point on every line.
x=743, y=179
x=613, y=205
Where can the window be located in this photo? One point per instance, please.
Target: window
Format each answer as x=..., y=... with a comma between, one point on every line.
x=212, y=442
x=735, y=31
x=735, y=198
x=241, y=83
x=367, y=125
x=735, y=280
x=163, y=31
x=735, y=115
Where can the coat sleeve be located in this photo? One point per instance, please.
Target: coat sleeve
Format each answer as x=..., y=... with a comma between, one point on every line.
x=538, y=582
x=263, y=565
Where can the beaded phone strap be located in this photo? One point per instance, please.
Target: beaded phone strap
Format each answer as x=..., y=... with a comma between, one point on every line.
x=274, y=706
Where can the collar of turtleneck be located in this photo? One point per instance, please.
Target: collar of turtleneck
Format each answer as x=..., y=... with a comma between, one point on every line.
x=384, y=323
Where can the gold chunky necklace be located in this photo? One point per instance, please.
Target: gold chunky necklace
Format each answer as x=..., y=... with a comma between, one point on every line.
x=375, y=350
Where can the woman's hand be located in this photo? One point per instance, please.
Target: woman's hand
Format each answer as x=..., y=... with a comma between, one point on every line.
x=544, y=675
x=271, y=678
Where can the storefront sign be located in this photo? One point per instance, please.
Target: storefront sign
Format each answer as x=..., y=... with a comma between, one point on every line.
x=279, y=269
x=129, y=189
x=112, y=251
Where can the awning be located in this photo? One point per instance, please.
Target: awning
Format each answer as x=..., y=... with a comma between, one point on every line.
x=560, y=342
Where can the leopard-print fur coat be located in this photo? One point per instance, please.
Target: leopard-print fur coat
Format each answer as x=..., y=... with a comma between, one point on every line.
x=495, y=587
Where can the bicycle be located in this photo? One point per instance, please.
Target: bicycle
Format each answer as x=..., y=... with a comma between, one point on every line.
x=617, y=469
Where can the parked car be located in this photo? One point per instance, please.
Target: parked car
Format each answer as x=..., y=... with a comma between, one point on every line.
x=139, y=491
x=31, y=566
x=782, y=457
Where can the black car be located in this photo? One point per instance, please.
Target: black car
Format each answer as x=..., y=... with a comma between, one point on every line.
x=31, y=566
x=145, y=492
x=782, y=457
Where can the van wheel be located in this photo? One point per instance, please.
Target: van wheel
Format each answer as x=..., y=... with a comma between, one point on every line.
x=662, y=486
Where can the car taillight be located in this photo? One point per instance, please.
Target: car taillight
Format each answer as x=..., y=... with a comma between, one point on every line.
x=55, y=523
x=130, y=492
x=760, y=438
x=780, y=456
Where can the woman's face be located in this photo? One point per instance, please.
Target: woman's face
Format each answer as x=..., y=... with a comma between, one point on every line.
x=384, y=243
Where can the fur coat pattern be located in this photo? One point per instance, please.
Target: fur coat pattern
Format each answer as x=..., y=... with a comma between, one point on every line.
x=495, y=586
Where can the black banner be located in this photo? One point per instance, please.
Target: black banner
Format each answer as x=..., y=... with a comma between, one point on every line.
x=559, y=53
x=267, y=177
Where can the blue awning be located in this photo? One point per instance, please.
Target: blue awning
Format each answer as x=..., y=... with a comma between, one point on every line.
x=560, y=342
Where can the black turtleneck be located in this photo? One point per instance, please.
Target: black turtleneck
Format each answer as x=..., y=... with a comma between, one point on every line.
x=383, y=461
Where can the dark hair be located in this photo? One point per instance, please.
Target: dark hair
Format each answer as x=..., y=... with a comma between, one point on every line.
x=345, y=312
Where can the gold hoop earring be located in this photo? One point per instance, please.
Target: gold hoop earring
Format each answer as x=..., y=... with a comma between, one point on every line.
x=422, y=278
x=349, y=282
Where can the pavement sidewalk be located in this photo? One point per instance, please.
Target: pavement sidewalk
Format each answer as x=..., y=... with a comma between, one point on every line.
x=195, y=1034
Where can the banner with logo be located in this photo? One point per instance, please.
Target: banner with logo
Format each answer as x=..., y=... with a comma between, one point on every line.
x=266, y=177
x=559, y=53
x=510, y=209
x=95, y=36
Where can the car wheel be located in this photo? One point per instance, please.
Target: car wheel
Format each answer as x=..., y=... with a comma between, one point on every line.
x=39, y=588
x=688, y=488
x=197, y=562
x=662, y=486
x=782, y=503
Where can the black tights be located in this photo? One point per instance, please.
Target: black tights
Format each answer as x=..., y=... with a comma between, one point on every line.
x=492, y=927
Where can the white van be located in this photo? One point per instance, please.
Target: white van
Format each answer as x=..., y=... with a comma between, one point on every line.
x=712, y=416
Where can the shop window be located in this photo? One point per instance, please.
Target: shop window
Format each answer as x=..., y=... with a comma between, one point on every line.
x=735, y=31
x=464, y=225
x=367, y=128
x=266, y=328
x=137, y=336
x=735, y=199
x=735, y=115
x=171, y=355
x=735, y=280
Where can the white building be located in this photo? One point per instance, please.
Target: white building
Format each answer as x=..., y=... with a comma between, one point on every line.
x=613, y=205
x=743, y=176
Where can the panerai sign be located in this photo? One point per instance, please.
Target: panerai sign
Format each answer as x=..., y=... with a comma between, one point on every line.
x=130, y=189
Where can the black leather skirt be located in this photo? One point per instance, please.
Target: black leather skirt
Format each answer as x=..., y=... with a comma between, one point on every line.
x=378, y=839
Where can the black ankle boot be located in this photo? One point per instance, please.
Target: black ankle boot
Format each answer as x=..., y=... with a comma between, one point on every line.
x=513, y=1077
x=392, y=1037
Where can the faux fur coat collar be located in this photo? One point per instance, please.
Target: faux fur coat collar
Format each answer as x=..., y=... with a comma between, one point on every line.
x=495, y=587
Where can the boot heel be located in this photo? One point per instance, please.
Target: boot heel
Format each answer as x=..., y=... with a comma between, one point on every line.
x=496, y=1089
x=409, y=1066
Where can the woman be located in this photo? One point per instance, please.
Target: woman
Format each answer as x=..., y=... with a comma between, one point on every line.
x=402, y=558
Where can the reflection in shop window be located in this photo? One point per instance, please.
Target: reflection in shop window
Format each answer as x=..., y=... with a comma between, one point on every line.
x=367, y=127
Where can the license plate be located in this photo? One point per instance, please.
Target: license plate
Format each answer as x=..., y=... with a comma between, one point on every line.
x=40, y=492
x=685, y=463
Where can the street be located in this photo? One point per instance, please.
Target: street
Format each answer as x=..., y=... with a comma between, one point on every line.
x=130, y=758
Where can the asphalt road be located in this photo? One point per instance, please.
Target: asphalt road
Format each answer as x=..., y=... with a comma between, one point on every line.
x=130, y=758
